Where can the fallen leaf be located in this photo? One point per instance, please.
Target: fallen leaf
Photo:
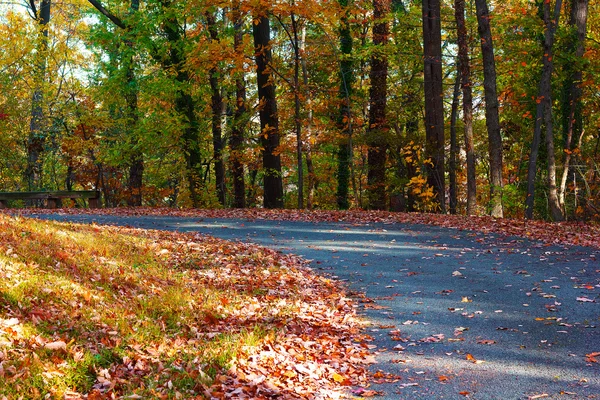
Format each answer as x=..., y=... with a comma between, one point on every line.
x=58, y=345
x=585, y=300
x=537, y=396
x=472, y=359
x=592, y=357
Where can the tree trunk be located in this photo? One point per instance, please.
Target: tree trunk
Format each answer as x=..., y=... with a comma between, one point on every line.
x=136, y=162
x=377, y=130
x=453, y=147
x=186, y=107
x=345, y=112
x=464, y=64
x=269, y=121
x=572, y=109
x=237, y=132
x=544, y=116
x=434, y=105
x=491, y=108
x=309, y=122
x=36, y=138
x=297, y=116
x=136, y=158
x=217, y=115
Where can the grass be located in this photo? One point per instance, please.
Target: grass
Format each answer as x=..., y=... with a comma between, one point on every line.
x=99, y=312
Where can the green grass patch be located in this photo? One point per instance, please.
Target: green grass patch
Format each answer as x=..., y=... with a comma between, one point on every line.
x=89, y=310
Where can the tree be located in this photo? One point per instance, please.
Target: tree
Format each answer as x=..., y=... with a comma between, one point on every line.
x=453, y=160
x=293, y=36
x=572, y=107
x=236, y=141
x=297, y=105
x=492, y=119
x=378, y=127
x=217, y=113
x=464, y=65
x=434, y=105
x=136, y=159
x=344, y=121
x=544, y=117
x=37, y=136
x=269, y=120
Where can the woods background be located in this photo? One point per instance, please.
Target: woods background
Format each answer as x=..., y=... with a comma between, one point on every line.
x=467, y=107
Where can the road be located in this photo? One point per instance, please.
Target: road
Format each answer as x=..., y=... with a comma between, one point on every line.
x=454, y=314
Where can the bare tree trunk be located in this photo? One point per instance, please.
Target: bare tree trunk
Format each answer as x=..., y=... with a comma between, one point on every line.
x=297, y=116
x=572, y=112
x=465, y=73
x=307, y=145
x=434, y=105
x=36, y=138
x=269, y=121
x=491, y=108
x=237, y=132
x=345, y=113
x=377, y=130
x=136, y=158
x=544, y=116
x=217, y=114
x=452, y=163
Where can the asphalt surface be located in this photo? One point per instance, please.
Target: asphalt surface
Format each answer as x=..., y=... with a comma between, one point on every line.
x=475, y=316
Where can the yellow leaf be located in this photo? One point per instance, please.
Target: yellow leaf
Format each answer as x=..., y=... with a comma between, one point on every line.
x=338, y=378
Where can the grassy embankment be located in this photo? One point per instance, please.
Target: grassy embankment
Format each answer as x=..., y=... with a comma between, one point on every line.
x=97, y=312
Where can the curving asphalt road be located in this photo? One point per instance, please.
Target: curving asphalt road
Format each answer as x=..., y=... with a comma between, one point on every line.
x=455, y=314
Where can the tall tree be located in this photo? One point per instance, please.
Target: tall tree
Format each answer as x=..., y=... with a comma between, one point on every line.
x=492, y=118
x=217, y=113
x=544, y=117
x=453, y=161
x=572, y=107
x=237, y=132
x=37, y=136
x=434, y=104
x=377, y=131
x=269, y=120
x=464, y=64
x=174, y=62
x=136, y=159
x=297, y=107
x=293, y=36
x=309, y=123
x=344, y=121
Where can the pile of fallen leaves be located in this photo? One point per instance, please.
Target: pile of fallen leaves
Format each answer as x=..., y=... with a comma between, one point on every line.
x=573, y=233
x=104, y=312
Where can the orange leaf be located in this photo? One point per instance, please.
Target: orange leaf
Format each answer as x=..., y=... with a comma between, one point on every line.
x=592, y=357
x=464, y=393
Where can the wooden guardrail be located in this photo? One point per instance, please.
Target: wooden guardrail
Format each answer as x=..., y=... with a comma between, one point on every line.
x=53, y=199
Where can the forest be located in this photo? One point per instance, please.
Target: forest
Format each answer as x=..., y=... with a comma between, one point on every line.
x=465, y=107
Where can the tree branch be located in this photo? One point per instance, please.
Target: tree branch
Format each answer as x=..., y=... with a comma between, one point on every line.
x=116, y=20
